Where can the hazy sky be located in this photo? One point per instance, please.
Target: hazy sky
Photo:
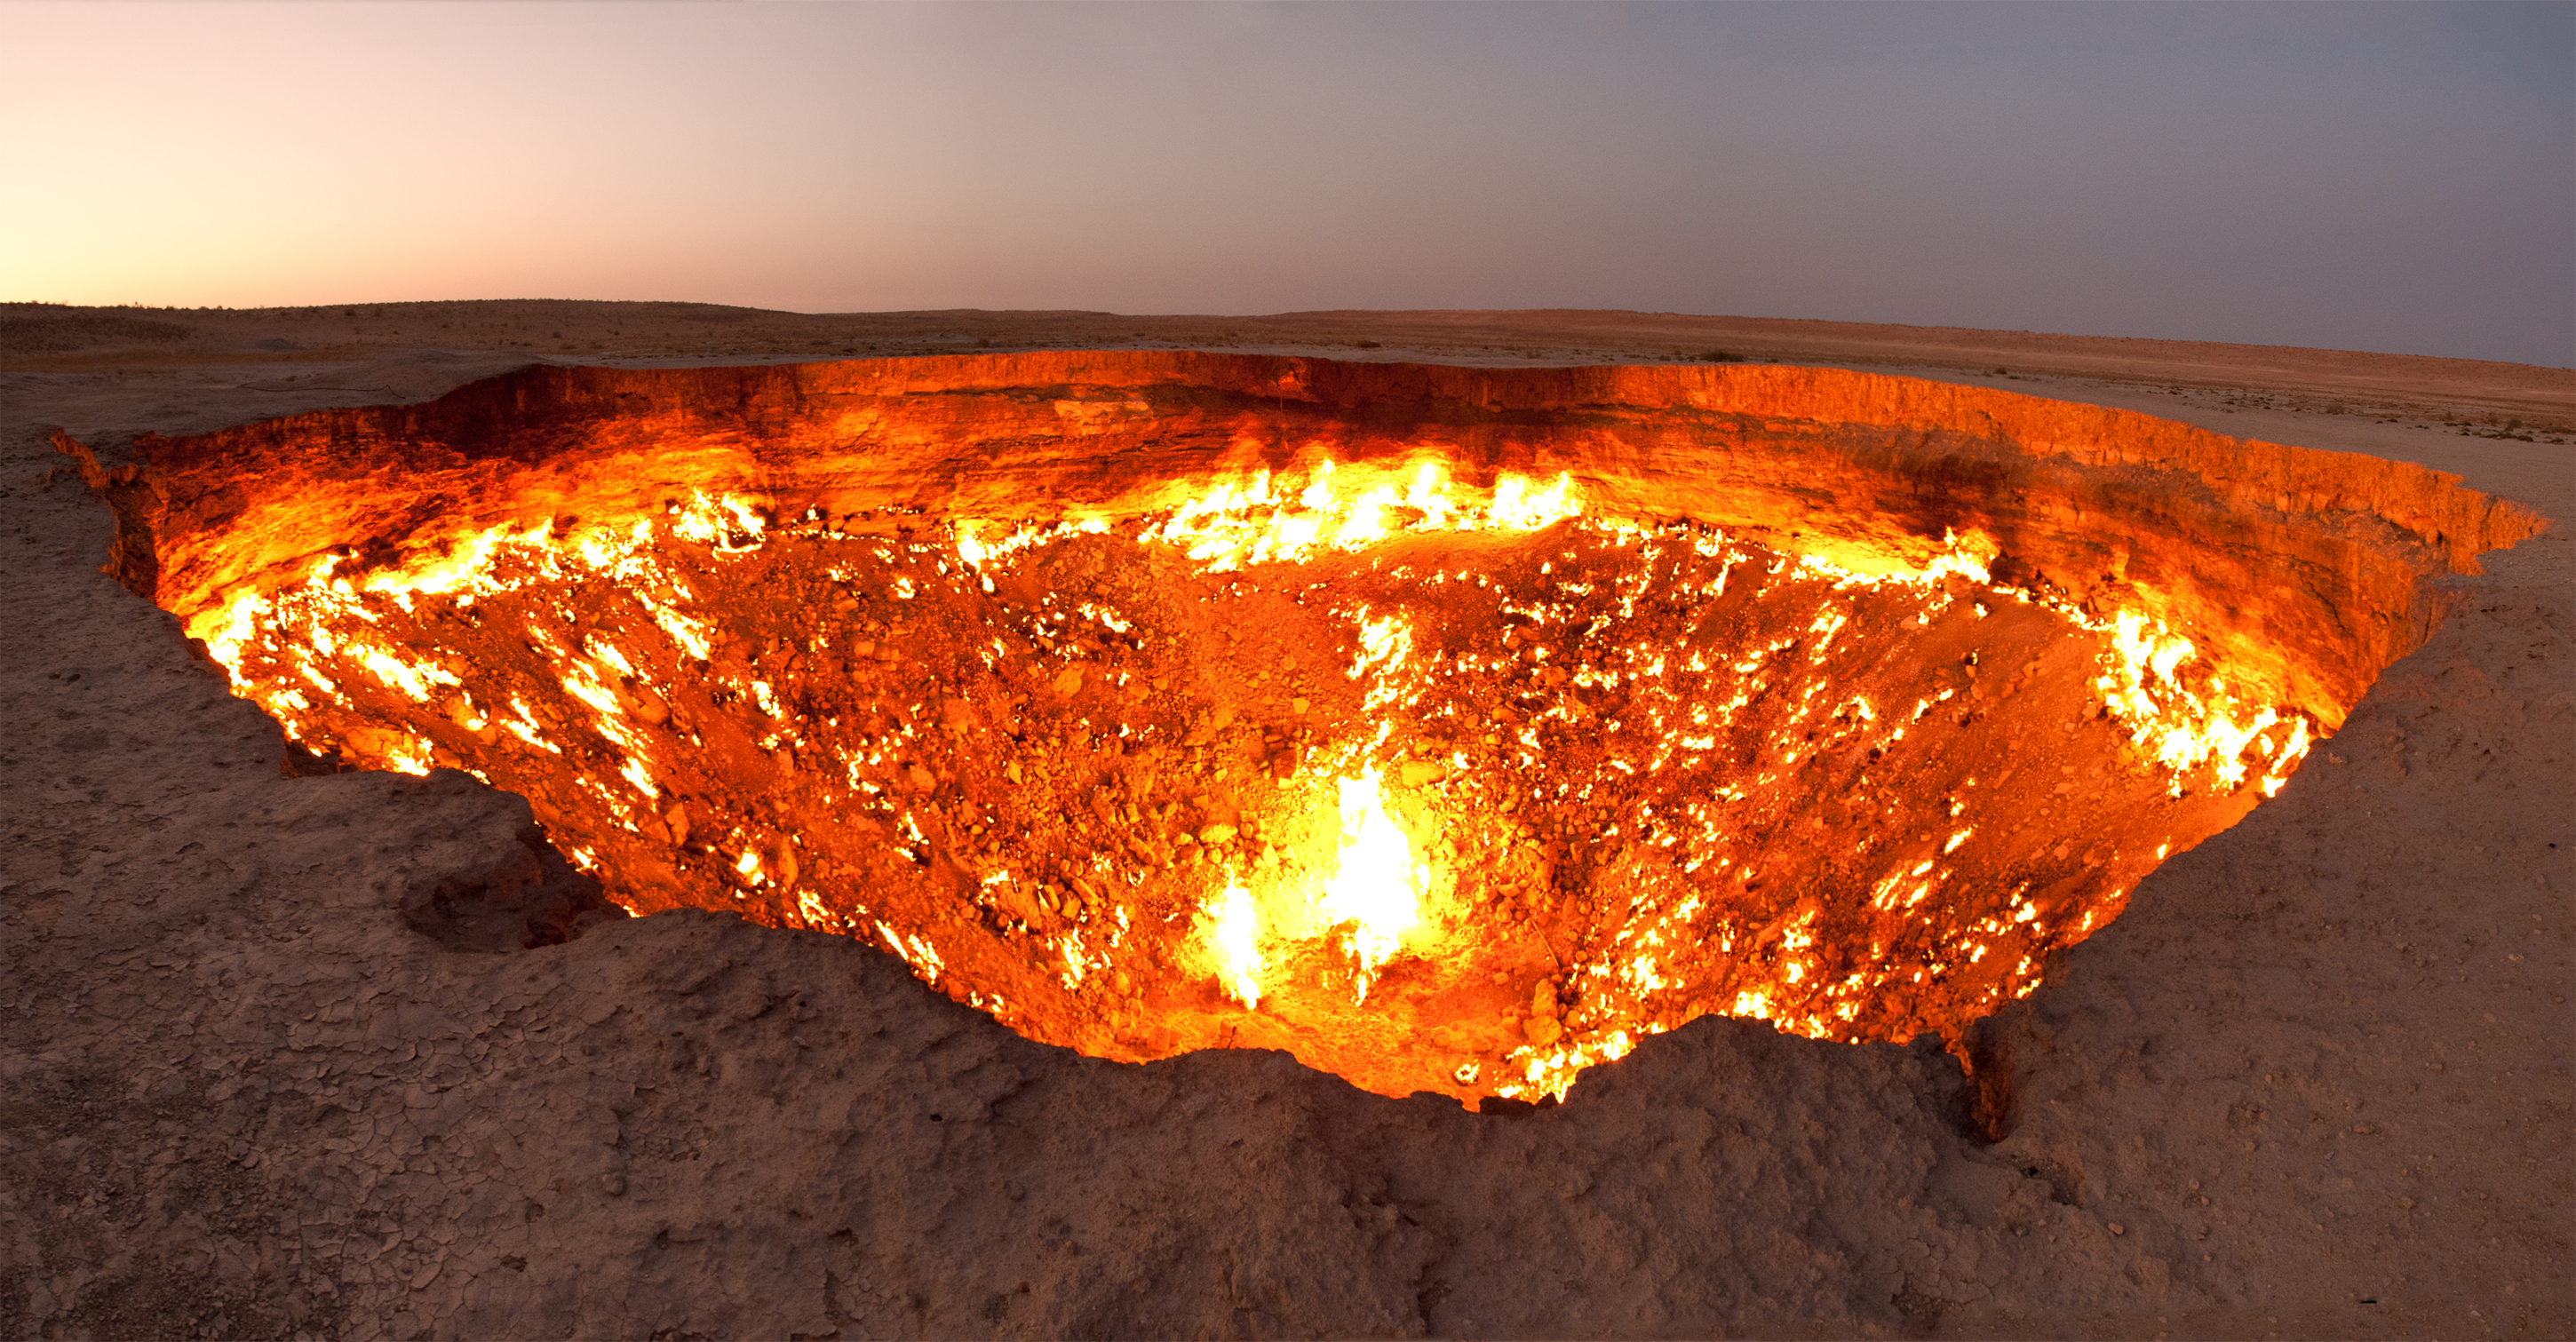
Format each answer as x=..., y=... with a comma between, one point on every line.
x=2381, y=176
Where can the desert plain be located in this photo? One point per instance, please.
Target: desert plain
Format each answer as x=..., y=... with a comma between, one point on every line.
x=2313, y=1083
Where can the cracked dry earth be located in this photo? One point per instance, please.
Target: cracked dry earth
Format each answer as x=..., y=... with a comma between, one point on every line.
x=2313, y=1083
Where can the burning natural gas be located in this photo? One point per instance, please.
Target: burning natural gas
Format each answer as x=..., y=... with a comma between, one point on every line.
x=1430, y=728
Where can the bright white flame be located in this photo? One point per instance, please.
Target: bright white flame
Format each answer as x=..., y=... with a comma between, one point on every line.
x=1263, y=519
x=1238, y=934
x=1379, y=886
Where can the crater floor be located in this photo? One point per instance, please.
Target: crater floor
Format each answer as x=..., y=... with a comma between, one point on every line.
x=1627, y=778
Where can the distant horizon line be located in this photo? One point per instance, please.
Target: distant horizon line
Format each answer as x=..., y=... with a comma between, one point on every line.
x=1256, y=316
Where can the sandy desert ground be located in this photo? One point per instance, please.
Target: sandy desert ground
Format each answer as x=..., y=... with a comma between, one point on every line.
x=2313, y=1084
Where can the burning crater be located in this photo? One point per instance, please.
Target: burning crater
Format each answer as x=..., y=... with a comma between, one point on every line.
x=1451, y=729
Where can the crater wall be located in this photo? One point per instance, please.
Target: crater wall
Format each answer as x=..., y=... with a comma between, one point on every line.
x=2299, y=566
